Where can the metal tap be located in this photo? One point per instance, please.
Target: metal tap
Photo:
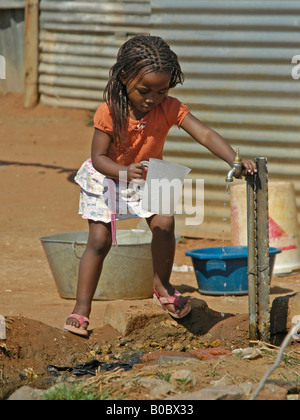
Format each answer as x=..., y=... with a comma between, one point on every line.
x=237, y=168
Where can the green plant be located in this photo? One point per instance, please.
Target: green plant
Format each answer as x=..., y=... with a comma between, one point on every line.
x=184, y=382
x=289, y=361
x=74, y=392
x=165, y=377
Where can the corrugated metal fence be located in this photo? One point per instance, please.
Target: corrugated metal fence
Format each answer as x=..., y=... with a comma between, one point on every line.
x=236, y=56
x=12, y=44
x=78, y=45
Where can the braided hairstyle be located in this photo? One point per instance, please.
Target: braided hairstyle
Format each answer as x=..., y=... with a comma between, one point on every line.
x=139, y=56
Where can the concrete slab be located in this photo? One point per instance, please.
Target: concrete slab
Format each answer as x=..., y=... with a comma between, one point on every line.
x=126, y=316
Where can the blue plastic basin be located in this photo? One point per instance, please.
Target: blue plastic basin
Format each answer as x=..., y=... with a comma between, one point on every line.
x=224, y=270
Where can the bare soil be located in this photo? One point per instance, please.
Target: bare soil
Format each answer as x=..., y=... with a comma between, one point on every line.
x=40, y=151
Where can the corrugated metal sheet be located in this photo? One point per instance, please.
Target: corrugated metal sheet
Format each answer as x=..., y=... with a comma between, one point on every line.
x=79, y=41
x=12, y=4
x=12, y=45
x=236, y=56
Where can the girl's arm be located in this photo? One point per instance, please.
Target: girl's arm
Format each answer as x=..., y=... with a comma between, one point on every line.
x=213, y=141
x=101, y=144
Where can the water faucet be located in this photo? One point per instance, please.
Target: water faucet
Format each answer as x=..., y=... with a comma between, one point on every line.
x=237, y=168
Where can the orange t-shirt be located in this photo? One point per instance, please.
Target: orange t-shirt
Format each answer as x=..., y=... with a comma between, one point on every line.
x=148, y=142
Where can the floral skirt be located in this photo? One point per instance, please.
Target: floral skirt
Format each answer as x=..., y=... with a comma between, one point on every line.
x=102, y=198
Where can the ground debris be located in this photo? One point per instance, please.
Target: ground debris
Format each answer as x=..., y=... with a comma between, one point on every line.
x=91, y=368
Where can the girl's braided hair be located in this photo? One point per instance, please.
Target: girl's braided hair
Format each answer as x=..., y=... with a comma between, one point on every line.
x=140, y=55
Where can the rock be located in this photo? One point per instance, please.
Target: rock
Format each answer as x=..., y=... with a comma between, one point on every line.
x=249, y=353
x=247, y=388
x=155, y=355
x=232, y=392
x=284, y=309
x=226, y=380
x=271, y=392
x=158, y=388
x=25, y=393
x=210, y=354
x=164, y=360
x=178, y=346
x=216, y=343
x=183, y=377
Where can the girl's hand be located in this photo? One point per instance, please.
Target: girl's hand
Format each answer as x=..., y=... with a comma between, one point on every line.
x=135, y=171
x=249, y=165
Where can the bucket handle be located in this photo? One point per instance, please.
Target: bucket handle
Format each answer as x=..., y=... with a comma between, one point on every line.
x=75, y=250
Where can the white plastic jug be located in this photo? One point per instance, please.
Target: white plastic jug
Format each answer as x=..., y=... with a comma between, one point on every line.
x=163, y=186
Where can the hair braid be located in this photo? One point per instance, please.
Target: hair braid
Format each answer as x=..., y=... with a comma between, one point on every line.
x=140, y=55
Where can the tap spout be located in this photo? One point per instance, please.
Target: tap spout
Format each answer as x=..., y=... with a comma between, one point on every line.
x=230, y=175
x=237, y=168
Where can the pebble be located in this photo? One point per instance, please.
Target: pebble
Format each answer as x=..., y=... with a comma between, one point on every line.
x=25, y=393
x=232, y=392
x=158, y=388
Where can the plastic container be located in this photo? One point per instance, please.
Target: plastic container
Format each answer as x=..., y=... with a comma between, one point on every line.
x=127, y=270
x=224, y=270
x=163, y=186
x=283, y=223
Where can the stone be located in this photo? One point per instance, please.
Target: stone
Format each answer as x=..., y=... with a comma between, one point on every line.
x=183, y=377
x=272, y=392
x=224, y=381
x=158, y=388
x=166, y=360
x=154, y=356
x=25, y=393
x=293, y=310
x=232, y=392
x=249, y=353
x=210, y=354
x=284, y=309
x=247, y=388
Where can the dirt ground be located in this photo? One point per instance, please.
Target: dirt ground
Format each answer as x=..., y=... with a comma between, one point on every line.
x=40, y=151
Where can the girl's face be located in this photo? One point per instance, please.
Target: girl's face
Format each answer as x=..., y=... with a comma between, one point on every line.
x=147, y=92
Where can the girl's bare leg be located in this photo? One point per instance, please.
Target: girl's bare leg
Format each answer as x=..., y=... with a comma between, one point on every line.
x=163, y=252
x=90, y=267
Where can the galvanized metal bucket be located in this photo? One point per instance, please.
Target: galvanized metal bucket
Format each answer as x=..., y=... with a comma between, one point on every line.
x=127, y=271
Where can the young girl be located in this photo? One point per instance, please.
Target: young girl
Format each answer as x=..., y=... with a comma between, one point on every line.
x=130, y=127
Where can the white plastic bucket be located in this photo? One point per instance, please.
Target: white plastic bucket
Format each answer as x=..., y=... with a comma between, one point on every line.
x=163, y=186
x=283, y=223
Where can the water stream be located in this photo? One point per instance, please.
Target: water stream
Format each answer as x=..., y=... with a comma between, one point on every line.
x=224, y=220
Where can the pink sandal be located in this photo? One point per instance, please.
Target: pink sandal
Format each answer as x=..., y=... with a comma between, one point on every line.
x=79, y=331
x=174, y=300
